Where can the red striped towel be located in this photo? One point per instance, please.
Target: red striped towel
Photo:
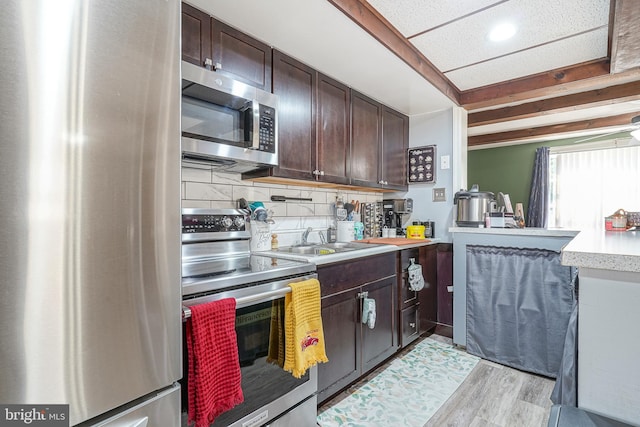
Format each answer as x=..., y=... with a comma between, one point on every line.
x=214, y=366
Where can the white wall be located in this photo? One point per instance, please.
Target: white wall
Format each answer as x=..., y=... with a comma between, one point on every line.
x=440, y=129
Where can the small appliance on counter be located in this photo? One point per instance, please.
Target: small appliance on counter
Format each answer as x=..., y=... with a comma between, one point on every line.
x=427, y=230
x=393, y=211
x=473, y=206
x=415, y=231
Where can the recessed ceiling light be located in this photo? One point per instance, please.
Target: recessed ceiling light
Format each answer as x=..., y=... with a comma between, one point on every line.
x=502, y=32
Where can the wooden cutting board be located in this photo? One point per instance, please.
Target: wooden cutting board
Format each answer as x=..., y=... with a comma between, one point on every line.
x=394, y=240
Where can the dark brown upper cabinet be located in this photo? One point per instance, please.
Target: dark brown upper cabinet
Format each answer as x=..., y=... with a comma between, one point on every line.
x=196, y=35
x=366, y=140
x=395, y=141
x=240, y=57
x=333, y=123
x=210, y=43
x=295, y=85
x=379, y=142
x=313, y=124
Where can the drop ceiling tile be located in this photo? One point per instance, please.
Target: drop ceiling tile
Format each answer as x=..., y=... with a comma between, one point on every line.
x=588, y=46
x=413, y=16
x=465, y=42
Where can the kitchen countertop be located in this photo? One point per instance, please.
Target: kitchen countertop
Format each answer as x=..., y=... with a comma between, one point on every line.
x=604, y=250
x=335, y=257
x=375, y=249
x=529, y=231
x=417, y=243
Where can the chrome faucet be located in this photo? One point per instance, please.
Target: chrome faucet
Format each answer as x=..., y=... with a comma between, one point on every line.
x=305, y=235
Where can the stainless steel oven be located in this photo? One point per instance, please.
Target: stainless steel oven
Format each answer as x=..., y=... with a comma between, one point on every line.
x=217, y=264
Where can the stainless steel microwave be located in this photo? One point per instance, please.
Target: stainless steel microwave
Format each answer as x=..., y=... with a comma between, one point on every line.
x=227, y=124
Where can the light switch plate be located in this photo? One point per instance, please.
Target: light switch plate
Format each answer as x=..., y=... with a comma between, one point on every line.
x=445, y=162
x=439, y=195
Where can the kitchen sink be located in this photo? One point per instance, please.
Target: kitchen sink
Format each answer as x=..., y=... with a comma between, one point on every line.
x=324, y=248
x=300, y=249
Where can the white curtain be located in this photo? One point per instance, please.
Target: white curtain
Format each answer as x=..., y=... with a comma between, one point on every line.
x=587, y=186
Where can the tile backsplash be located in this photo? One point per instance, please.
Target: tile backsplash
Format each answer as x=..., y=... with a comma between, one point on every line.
x=204, y=188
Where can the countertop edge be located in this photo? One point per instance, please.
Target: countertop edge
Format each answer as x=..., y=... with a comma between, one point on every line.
x=602, y=250
x=524, y=232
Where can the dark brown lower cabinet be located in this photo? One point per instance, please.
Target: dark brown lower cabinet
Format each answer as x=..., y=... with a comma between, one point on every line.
x=445, y=279
x=353, y=349
x=408, y=305
x=428, y=296
x=417, y=309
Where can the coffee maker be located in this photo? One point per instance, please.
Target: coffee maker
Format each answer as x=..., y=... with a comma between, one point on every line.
x=392, y=210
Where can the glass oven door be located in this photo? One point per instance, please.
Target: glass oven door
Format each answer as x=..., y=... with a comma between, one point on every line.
x=268, y=389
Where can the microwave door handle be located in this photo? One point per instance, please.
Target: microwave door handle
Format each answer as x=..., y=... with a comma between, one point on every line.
x=255, y=130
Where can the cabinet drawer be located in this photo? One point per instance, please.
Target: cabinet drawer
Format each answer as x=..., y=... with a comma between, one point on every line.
x=341, y=276
x=410, y=325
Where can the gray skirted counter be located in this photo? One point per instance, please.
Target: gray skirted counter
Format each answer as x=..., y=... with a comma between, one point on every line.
x=512, y=297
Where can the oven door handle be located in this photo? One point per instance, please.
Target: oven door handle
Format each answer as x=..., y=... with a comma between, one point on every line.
x=241, y=302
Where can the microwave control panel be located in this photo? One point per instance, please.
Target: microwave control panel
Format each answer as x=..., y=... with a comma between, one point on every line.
x=267, y=131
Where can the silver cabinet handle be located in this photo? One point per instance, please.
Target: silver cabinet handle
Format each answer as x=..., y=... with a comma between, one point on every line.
x=413, y=325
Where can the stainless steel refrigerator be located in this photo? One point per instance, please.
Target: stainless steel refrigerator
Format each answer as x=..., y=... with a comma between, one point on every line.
x=90, y=209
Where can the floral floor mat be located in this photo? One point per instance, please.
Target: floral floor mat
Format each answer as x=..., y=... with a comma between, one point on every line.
x=407, y=392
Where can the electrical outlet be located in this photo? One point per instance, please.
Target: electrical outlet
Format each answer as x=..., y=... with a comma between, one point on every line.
x=445, y=162
x=439, y=195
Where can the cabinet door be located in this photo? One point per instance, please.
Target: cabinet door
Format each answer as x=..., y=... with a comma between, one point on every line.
x=196, y=35
x=406, y=297
x=241, y=57
x=295, y=85
x=332, y=146
x=342, y=331
x=428, y=296
x=395, y=141
x=382, y=341
x=445, y=279
x=366, y=140
x=409, y=322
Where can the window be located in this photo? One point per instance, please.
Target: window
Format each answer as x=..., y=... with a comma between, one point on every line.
x=591, y=181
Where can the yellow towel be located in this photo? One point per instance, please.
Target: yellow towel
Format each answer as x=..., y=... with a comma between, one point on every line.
x=303, y=328
x=276, y=334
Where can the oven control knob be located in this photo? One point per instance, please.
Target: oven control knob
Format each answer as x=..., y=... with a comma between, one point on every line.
x=238, y=222
x=226, y=222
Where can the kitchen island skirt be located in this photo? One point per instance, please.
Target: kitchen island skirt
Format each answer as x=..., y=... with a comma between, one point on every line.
x=406, y=393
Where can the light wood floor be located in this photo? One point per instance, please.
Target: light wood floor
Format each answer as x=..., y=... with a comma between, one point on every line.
x=495, y=395
x=492, y=395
